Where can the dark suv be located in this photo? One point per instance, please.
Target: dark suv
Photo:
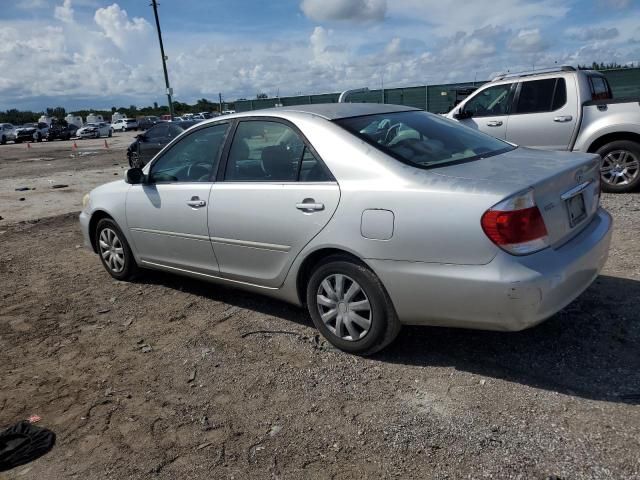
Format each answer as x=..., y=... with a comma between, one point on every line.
x=61, y=130
x=147, y=144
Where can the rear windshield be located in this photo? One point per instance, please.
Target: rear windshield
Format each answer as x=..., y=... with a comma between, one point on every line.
x=422, y=139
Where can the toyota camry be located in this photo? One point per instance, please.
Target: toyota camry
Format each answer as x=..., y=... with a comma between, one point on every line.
x=372, y=216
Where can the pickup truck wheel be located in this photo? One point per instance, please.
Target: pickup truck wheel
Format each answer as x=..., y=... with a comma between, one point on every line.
x=620, y=168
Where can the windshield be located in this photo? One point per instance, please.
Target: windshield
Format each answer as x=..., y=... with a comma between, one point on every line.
x=422, y=139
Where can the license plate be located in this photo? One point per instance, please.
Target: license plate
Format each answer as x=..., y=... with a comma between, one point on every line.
x=577, y=209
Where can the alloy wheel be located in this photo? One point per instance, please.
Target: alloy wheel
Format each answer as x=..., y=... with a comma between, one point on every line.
x=620, y=167
x=344, y=307
x=111, y=250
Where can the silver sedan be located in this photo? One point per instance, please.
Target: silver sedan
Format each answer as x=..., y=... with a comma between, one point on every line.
x=372, y=216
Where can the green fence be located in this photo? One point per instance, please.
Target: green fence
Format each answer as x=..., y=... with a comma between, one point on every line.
x=625, y=82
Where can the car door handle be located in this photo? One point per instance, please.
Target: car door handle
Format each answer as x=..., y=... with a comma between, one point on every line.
x=195, y=202
x=563, y=118
x=310, y=206
x=494, y=123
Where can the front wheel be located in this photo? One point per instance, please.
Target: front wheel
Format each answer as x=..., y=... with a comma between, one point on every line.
x=350, y=307
x=114, y=250
x=3, y=140
x=620, y=167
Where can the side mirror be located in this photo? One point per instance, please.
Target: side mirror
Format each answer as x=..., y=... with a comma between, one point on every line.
x=141, y=136
x=134, y=176
x=462, y=114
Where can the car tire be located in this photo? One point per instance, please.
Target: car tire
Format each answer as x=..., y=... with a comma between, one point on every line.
x=39, y=138
x=620, y=167
x=359, y=308
x=3, y=140
x=114, y=251
x=110, y=133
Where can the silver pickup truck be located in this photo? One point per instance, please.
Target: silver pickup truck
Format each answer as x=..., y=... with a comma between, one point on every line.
x=561, y=109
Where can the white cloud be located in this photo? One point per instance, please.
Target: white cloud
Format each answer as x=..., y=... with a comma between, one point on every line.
x=445, y=17
x=528, y=41
x=116, y=26
x=593, y=33
x=64, y=12
x=355, y=10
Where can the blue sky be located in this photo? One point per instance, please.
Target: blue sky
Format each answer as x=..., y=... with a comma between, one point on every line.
x=93, y=53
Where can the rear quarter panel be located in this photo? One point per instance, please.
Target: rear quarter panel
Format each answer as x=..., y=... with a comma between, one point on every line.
x=616, y=118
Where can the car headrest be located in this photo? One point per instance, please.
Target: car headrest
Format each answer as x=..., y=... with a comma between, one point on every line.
x=276, y=161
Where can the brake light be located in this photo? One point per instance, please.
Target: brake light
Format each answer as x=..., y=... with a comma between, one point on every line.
x=516, y=225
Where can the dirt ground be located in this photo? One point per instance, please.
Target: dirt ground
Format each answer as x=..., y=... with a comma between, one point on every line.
x=171, y=378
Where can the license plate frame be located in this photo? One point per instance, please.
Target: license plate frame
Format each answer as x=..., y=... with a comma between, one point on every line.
x=576, y=209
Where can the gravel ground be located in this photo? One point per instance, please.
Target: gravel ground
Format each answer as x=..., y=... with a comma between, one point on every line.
x=171, y=378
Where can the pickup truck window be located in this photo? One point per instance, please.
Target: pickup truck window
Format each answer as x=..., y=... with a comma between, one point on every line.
x=490, y=102
x=599, y=88
x=539, y=96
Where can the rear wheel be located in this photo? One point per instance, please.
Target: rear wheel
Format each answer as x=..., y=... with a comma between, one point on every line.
x=3, y=140
x=350, y=307
x=114, y=251
x=620, y=167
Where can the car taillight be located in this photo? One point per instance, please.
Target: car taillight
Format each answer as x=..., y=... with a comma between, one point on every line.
x=516, y=225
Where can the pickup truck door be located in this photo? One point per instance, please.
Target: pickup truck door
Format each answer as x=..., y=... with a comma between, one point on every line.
x=489, y=109
x=545, y=113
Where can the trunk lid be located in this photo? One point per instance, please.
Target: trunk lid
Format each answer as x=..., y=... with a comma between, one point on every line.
x=566, y=185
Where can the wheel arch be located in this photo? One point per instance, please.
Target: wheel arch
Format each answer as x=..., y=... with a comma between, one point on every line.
x=96, y=216
x=613, y=137
x=312, y=260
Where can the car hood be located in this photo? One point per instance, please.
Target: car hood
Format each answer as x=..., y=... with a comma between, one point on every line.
x=25, y=129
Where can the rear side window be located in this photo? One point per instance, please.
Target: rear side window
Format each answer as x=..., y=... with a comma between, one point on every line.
x=267, y=151
x=539, y=96
x=599, y=88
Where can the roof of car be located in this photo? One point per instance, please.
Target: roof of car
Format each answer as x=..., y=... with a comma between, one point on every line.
x=334, y=111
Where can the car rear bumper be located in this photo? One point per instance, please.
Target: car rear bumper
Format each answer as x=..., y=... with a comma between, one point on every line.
x=508, y=293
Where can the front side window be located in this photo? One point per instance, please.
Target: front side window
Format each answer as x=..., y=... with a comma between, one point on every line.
x=537, y=96
x=267, y=151
x=424, y=140
x=491, y=101
x=194, y=158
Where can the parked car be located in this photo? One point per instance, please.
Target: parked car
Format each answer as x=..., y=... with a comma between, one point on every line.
x=124, y=124
x=32, y=132
x=7, y=133
x=148, y=144
x=561, y=109
x=61, y=130
x=426, y=223
x=145, y=123
x=95, y=130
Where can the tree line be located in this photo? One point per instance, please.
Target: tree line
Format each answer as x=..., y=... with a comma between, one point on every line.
x=19, y=117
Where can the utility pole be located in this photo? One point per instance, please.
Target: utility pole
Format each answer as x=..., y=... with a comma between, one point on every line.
x=220, y=100
x=154, y=4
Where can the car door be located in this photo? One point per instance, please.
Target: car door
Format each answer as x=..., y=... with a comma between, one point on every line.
x=167, y=215
x=489, y=109
x=274, y=197
x=544, y=116
x=152, y=141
